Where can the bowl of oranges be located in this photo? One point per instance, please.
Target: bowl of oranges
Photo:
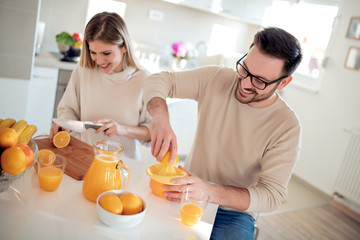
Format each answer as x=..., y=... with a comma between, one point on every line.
x=120, y=209
x=17, y=156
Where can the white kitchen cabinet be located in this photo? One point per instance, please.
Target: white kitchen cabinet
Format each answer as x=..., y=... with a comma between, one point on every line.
x=41, y=98
x=251, y=11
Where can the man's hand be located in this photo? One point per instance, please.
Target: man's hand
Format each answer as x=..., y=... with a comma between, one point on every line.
x=162, y=136
x=192, y=182
x=233, y=197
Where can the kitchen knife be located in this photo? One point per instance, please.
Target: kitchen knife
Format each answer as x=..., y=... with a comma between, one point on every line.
x=76, y=126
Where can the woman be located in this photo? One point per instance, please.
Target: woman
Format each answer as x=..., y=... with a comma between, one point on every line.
x=106, y=87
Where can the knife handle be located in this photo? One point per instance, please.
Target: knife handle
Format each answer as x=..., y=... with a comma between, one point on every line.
x=92, y=125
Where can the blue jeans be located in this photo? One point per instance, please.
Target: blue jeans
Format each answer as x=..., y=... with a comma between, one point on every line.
x=232, y=225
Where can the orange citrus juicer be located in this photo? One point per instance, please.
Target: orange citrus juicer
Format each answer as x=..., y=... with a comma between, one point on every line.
x=165, y=172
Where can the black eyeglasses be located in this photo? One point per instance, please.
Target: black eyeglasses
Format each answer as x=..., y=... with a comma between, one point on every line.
x=255, y=81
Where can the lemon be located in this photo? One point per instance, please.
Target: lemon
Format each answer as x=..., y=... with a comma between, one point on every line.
x=111, y=203
x=132, y=204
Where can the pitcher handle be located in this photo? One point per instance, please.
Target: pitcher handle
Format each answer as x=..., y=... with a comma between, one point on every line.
x=124, y=173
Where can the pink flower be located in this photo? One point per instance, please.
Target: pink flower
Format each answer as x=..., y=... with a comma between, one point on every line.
x=179, y=49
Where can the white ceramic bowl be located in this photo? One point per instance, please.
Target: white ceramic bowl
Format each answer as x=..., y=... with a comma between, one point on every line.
x=119, y=221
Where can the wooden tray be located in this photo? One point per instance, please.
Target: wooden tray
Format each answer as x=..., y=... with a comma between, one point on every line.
x=79, y=156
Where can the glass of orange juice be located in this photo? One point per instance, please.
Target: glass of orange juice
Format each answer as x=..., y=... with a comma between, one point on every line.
x=193, y=204
x=50, y=172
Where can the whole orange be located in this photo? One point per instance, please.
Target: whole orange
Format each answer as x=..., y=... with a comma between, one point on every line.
x=8, y=137
x=13, y=161
x=132, y=204
x=111, y=203
x=29, y=154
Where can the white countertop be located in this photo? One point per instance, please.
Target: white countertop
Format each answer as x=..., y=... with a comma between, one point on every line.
x=27, y=212
x=52, y=60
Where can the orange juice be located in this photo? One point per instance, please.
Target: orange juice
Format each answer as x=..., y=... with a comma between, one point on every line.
x=50, y=178
x=190, y=214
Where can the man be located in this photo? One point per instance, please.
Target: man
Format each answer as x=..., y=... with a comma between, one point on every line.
x=247, y=139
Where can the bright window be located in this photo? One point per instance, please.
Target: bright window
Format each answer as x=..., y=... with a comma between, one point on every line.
x=222, y=40
x=311, y=22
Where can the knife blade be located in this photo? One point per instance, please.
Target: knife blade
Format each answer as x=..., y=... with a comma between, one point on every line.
x=76, y=126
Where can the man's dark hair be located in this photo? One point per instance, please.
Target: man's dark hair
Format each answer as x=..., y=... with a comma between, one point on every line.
x=280, y=44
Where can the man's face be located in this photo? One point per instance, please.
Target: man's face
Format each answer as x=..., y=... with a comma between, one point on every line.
x=265, y=67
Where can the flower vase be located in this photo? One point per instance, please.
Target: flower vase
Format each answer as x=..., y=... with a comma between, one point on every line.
x=178, y=64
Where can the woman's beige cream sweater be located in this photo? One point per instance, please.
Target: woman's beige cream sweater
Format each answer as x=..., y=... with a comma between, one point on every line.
x=91, y=95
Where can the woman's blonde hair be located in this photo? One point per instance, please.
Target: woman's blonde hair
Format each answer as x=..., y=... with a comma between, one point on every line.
x=110, y=28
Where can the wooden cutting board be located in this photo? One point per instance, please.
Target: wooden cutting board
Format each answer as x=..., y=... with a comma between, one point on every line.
x=79, y=156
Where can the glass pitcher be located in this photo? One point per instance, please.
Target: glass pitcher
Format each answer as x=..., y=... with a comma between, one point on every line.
x=107, y=171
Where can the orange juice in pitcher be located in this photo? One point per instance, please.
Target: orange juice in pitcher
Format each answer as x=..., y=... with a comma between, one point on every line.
x=106, y=172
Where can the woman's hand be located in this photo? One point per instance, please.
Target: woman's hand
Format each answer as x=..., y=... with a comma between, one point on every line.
x=55, y=129
x=111, y=128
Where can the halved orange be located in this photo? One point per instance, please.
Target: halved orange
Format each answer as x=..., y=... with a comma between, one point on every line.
x=165, y=159
x=61, y=139
x=46, y=157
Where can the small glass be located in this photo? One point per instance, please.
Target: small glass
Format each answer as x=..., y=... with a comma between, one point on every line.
x=193, y=204
x=51, y=172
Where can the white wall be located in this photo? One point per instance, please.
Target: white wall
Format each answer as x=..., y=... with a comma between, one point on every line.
x=59, y=16
x=179, y=24
x=325, y=114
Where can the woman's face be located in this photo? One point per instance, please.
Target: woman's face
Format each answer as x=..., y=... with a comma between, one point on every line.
x=109, y=57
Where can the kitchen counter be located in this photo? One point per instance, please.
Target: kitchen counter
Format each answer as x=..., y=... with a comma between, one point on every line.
x=27, y=212
x=52, y=60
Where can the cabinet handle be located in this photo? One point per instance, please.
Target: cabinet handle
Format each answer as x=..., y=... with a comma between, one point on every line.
x=39, y=76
